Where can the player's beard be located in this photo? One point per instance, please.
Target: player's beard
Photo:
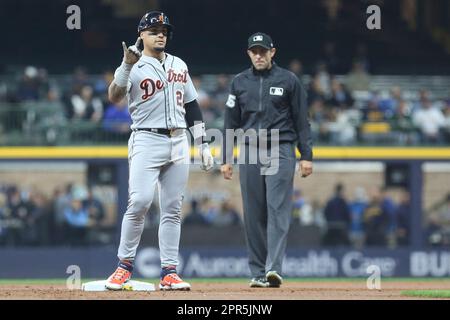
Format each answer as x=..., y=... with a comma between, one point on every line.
x=160, y=49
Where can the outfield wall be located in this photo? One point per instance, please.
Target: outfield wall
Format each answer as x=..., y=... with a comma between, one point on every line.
x=230, y=261
x=225, y=262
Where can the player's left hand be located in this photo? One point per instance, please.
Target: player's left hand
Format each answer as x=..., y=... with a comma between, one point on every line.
x=207, y=158
x=305, y=168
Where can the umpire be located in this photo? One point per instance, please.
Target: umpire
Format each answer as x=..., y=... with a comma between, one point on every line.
x=269, y=97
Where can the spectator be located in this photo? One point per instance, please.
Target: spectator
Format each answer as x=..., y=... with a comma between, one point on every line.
x=101, y=86
x=96, y=211
x=62, y=198
x=390, y=104
x=446, y=130
x=358, y=78
x=117, y=120
x=20, y=218
x=324, y=78
x=94, y=207
x=39, y=233
x=402, y=215
x=340, y=97
x=341, y=128
x=301, y=211
x=316, y=91
x=430, y=121
x=357, y=208
x=209, y=208
x=389, y=207
x=402, y=125
x=77, y=219
x=195, y=216
x=5, y=213
x=376, y=220
x=338, y=218
x=434, y=234
x=318, y=216
x=227, y=215
x=34, y=84
x=79, y=79
x=438, y=226
x=371, y=112
x=85, y=106
x=319, y=119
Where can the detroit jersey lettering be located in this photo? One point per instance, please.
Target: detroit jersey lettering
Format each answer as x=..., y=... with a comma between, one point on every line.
x=157, y=94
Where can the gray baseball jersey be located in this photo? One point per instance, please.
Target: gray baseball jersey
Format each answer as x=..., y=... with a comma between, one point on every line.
x=157, y=94
x=156, y=98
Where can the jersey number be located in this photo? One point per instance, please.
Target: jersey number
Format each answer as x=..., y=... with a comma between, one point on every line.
x=179, y=98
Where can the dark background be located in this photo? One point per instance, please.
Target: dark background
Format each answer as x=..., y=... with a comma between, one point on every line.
x=211, y=35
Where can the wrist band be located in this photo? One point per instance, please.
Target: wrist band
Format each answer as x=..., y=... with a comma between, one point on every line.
x=198, y=130
x=122, y=74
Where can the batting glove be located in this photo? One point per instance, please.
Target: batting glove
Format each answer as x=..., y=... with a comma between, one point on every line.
x=207, y=158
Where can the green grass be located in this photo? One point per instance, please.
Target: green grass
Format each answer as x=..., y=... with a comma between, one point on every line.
x=204, y=280
x=427, y=293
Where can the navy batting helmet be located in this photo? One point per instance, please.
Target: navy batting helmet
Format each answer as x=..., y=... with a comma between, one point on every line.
x=155, y=18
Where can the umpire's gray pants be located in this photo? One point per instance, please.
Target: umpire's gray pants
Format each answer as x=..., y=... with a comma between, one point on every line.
x=267, y=203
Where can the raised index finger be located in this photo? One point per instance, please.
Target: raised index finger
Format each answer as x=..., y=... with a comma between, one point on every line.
x=138, y=42
x=124, y=46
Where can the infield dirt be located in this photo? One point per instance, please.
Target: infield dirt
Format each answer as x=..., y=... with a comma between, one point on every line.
x=323, y=290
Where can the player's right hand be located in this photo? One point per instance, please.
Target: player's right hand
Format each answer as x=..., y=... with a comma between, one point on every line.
x=132, y=53
x=305, y=168
x=227, y=171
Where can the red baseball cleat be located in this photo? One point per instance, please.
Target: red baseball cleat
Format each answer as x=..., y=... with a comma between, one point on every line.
x=118, y=279
x=173, y=282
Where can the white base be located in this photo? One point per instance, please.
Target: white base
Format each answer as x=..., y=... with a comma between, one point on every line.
x=131, y=285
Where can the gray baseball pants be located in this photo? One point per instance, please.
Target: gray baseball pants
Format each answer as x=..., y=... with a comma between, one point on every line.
x=267, y=203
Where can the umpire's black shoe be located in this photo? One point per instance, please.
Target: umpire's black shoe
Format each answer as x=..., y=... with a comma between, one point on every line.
x=260, y=282
x=274, y=279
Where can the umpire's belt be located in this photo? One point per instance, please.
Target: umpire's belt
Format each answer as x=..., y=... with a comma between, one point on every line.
x=166, y=132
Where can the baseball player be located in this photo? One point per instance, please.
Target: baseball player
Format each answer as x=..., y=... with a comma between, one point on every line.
x=266, y=97
x=162, y=104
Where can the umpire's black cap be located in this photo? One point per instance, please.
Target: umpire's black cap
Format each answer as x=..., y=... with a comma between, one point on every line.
x=260, y=39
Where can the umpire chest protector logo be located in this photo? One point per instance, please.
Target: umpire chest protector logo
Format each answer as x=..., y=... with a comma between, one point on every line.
x=275, y=91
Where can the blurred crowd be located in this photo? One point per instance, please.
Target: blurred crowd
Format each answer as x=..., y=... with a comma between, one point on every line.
x=370, y=218
x=71, y=216
x=344, y=109
x=367, y=218
x=208, y=212
x=74, y=216
x=63, y=109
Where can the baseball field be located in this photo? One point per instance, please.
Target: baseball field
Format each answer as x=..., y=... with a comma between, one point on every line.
x=237, y=289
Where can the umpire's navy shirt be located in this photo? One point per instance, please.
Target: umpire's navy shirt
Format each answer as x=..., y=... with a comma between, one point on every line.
x=270, y=99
